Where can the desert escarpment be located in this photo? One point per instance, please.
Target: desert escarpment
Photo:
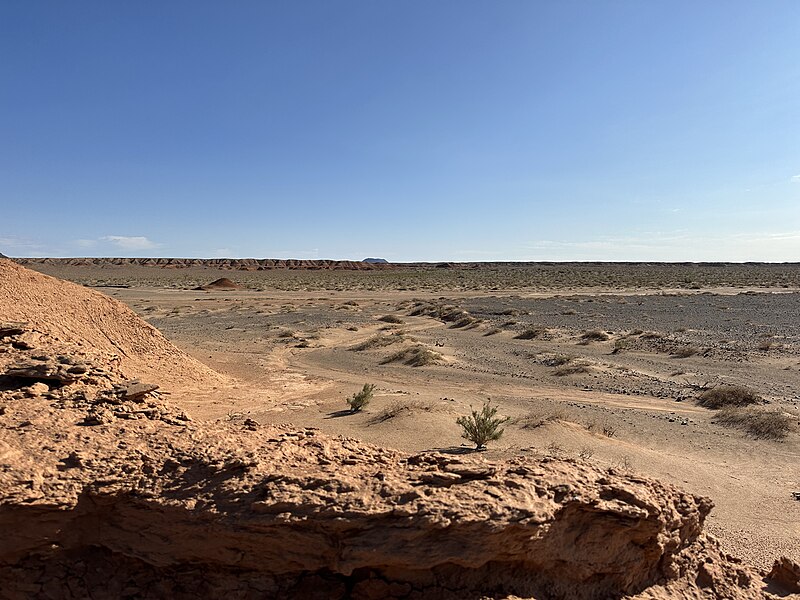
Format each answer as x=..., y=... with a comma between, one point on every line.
x=236, y=264
x=57, y=312
x=274, y=510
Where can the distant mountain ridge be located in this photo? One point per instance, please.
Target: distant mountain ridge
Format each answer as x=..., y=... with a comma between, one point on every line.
x=234, y=264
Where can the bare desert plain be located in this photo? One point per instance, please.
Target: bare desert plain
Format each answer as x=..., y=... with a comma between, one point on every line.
x=615, y=366
x=603, y=362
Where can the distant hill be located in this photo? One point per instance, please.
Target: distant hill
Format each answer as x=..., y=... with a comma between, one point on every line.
x=235, y=264
x=376, y=261
x=3, y=255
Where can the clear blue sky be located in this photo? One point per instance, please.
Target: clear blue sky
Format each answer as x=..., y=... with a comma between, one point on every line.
x=405, y=129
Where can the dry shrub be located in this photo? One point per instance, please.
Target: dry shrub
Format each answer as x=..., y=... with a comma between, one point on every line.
x=571, y=369
x=399, y=407
x=531, y=334
x=758, y=423
x=728, y=395
x=416, y=356
x=391, y=319
x=465, y=322
x=557, y=360
x=493, y=331
x=652, y=335
x=378, y=341
x=595, y=335
x=534, y=421
x=685, y=352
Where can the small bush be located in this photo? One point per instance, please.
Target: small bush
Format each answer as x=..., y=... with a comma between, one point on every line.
x=378, y=341
x=391, y=319
x=416, y=356
x=530, y=334
x=685, y=352
x=465, y=322
x=728, y=395
x=482, y=427
x=534, y=421
x=761, y=424
x=568, y=369
x=361, y=399
x=595, y=335
x=398, y=407
x=557, y=360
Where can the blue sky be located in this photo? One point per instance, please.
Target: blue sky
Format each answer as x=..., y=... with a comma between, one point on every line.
x=411, y=130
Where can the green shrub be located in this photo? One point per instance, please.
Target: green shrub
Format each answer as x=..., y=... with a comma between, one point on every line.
x=481, y=427
x=362, y=398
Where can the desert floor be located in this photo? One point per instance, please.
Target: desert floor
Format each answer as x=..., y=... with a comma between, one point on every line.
x=296, y=350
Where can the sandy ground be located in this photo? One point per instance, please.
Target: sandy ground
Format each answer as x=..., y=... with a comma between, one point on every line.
x=626, y=401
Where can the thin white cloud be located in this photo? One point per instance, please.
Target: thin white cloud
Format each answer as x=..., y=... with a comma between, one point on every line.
x=17, y=246
x=673, y=246
x=795, y=179
x=130, y=242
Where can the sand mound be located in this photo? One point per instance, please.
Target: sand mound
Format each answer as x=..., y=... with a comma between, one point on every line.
x=59, y=312
x=221, y=284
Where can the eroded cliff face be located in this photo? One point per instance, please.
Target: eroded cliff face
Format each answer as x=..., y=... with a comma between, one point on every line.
x=183, y=510
x=108, y=492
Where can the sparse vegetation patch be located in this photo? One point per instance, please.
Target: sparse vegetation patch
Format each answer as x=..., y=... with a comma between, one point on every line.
x=391, y=319
x=379, y=341
x=360, y=399
x=756, y=422
x=415, y=356
x=482, y=426
x=728, y=395
x=594, y=335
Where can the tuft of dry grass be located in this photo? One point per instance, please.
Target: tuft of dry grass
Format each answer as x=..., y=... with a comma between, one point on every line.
x=465, y=322
x=728, y=395
x=534, y=420
x=758, y=423
x=557, y=360
x=378, y=341
x=594, y=335
x=391, y=319
x=685, y=352
x=416, y=356
x=531, y=334
x=571, y=369
x=399, y=407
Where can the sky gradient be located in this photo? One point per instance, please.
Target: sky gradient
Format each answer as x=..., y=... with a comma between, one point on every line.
x=409, y=130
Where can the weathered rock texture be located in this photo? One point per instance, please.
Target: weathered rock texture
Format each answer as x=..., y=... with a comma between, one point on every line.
x=57, y=312
x=277, y=512
x=107, y=492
